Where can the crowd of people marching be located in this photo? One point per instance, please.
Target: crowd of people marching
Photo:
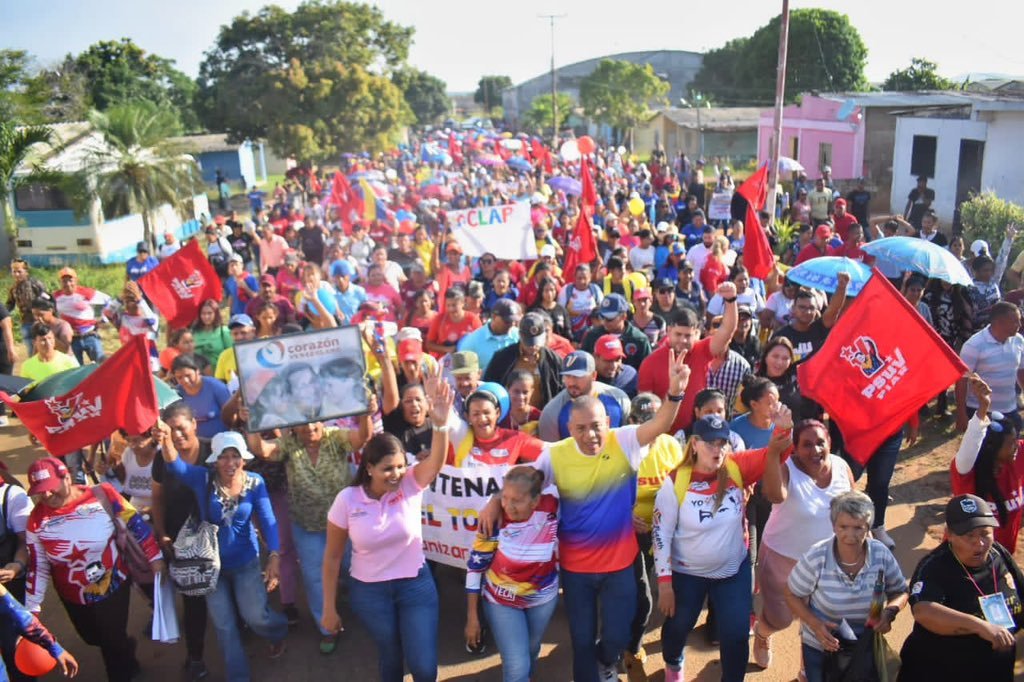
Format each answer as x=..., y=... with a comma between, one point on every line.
x=659, y=452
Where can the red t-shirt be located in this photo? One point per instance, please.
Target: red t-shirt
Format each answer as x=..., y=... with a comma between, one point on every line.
x=841, y=224
x=1011, y=484
x=444, y=332
x=653, y=377
x=812, y=251
x=507, y=447
x=713, y=274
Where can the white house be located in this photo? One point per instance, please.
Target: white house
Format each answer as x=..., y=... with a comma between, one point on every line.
x=962, y=150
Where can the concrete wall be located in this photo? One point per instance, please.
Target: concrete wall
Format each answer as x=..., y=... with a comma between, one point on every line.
x=947, y=159
x=1001, y=169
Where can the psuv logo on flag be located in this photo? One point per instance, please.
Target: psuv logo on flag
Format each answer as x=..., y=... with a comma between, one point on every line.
x=72, y=411
x=184, y=287
x=883, y=372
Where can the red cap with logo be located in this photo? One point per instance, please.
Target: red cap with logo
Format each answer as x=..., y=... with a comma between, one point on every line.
x=609, y=347
x=45, y=475
x=410, y=349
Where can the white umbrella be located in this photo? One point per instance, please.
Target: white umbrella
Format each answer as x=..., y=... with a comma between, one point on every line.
x=788, y=165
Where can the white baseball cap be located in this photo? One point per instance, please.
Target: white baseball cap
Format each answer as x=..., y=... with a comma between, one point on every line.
x=224, y=440
x=980, y=246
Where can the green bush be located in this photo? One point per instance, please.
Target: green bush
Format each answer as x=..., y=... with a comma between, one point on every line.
x=985, y=216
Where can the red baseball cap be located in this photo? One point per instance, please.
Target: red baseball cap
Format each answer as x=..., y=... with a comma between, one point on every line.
x=823, y=231
x=45, y=475
x=410, y=349
x=609, y=347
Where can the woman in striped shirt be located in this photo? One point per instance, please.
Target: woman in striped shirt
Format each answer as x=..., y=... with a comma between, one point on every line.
x=833, y=582
x=517, y=572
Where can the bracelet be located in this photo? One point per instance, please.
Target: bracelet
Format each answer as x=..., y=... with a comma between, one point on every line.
x=675, y=398
x=440, y=429
x=730, y=300
x=274, y=554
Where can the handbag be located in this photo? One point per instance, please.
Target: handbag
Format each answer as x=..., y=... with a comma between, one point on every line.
x=195, y=568
x=135, y=559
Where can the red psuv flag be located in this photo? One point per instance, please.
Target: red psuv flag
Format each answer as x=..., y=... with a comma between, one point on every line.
x=179, y=285
x=120, y=394
x=581, y=248
x=588, y=198
x=757, y=252
x=879, y=365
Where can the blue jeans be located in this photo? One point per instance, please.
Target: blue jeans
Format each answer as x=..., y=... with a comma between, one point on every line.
x=518, y=634
x=731, y=599
x=401, y=616
x=615, y=592
x=88, y=344
x=310, y=546
x=879, y=469
x=242, y=589
x=814, y=663
x=26, y=337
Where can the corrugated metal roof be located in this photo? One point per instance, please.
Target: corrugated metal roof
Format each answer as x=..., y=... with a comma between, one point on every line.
x=720, y=118
x=199, y=144
x=924, y=98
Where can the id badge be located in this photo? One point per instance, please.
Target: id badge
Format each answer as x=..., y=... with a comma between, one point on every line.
x=995, y=610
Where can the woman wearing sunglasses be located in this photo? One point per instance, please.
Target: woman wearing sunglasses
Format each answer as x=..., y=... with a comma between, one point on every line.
x=988, y=464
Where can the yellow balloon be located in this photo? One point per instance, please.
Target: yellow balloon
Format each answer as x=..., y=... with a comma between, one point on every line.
x=636, y=206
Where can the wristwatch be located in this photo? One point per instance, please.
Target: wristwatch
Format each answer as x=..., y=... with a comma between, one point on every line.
x=675, y=398
x=730, y=300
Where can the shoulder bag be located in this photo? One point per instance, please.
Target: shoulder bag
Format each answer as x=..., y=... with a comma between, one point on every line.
x=195, y=567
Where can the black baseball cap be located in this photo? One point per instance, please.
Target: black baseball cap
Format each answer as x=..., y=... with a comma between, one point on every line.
x=964, y=513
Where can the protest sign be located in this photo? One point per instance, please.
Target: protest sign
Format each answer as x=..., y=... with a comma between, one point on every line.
x=719, y=208
x=451, y=507
x=302, y=378
x=505, y=230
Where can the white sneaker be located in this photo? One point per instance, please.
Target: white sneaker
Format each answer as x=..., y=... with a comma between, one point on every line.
x=607, y=673
x=4, y=421
x=882, y=536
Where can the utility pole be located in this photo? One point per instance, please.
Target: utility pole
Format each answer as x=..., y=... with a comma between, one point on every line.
x=554, y=88
x=780, y=93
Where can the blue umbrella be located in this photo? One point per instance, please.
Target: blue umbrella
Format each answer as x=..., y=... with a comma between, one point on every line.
x=520, y=164
x=561, y=183
x=823, y=273
x=919, y=255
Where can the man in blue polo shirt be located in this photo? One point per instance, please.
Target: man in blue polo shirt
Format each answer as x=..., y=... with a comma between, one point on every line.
x=501, y=332
x=579, y=374
x=349, y=296
x=142, y=263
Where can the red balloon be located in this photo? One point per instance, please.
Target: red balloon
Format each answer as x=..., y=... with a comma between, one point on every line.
x=586, y=144
x=32, y=659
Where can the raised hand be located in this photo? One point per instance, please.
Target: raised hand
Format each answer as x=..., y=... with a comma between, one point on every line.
x=726, y=290
x=678, y=373
x=441, y=400
x=782, y=417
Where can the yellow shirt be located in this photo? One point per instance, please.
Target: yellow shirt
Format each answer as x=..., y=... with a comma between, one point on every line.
x=227, y=365
x=663, y=455
x=37, y=370
x=426, y=254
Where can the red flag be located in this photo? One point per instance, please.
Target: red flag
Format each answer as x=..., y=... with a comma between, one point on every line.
x=455, y=148
x=119, y=394
x=582, y=246
x=879, y=365
x=757, y=253
x=179, y=285
x=588, y=198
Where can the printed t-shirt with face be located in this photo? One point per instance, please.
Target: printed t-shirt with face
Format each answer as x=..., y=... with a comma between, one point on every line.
x=447, y=333
x=507, y=447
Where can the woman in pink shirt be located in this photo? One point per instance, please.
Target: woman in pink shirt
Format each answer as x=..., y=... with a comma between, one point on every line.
x=390, y=587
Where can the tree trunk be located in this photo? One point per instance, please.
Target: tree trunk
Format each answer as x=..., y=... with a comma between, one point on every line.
x=10, y=226
x=147, y=231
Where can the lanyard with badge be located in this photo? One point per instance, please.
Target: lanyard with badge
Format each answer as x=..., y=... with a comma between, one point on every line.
x=993, y=606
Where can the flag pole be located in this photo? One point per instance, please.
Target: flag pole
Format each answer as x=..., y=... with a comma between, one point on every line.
x=775, y=149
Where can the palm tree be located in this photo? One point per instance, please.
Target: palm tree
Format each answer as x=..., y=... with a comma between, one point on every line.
x=133, y=167
x=15, y=143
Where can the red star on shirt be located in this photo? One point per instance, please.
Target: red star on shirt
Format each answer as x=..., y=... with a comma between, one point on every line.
x=76, y=557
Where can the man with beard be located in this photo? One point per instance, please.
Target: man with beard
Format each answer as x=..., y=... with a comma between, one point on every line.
x=579, y=374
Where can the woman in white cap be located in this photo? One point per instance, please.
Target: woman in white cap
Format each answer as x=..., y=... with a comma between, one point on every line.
x=699, y=541
x=232, y=499
x=984, y=292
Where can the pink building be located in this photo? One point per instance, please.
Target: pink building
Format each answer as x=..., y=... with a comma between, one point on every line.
x=853, y=133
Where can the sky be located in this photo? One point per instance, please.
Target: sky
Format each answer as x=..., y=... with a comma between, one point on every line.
x=461, y=40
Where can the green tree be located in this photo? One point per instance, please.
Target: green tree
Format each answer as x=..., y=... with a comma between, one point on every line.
x=920, y=75
x=825, y=53
x=426, y=95
x=619, y=93
x=314, y=82
x=538, y=116
x=121, y=71
x=488, y=91
x=15, y=143
x=59, y=93
x=15, y=104
x=136, y=169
